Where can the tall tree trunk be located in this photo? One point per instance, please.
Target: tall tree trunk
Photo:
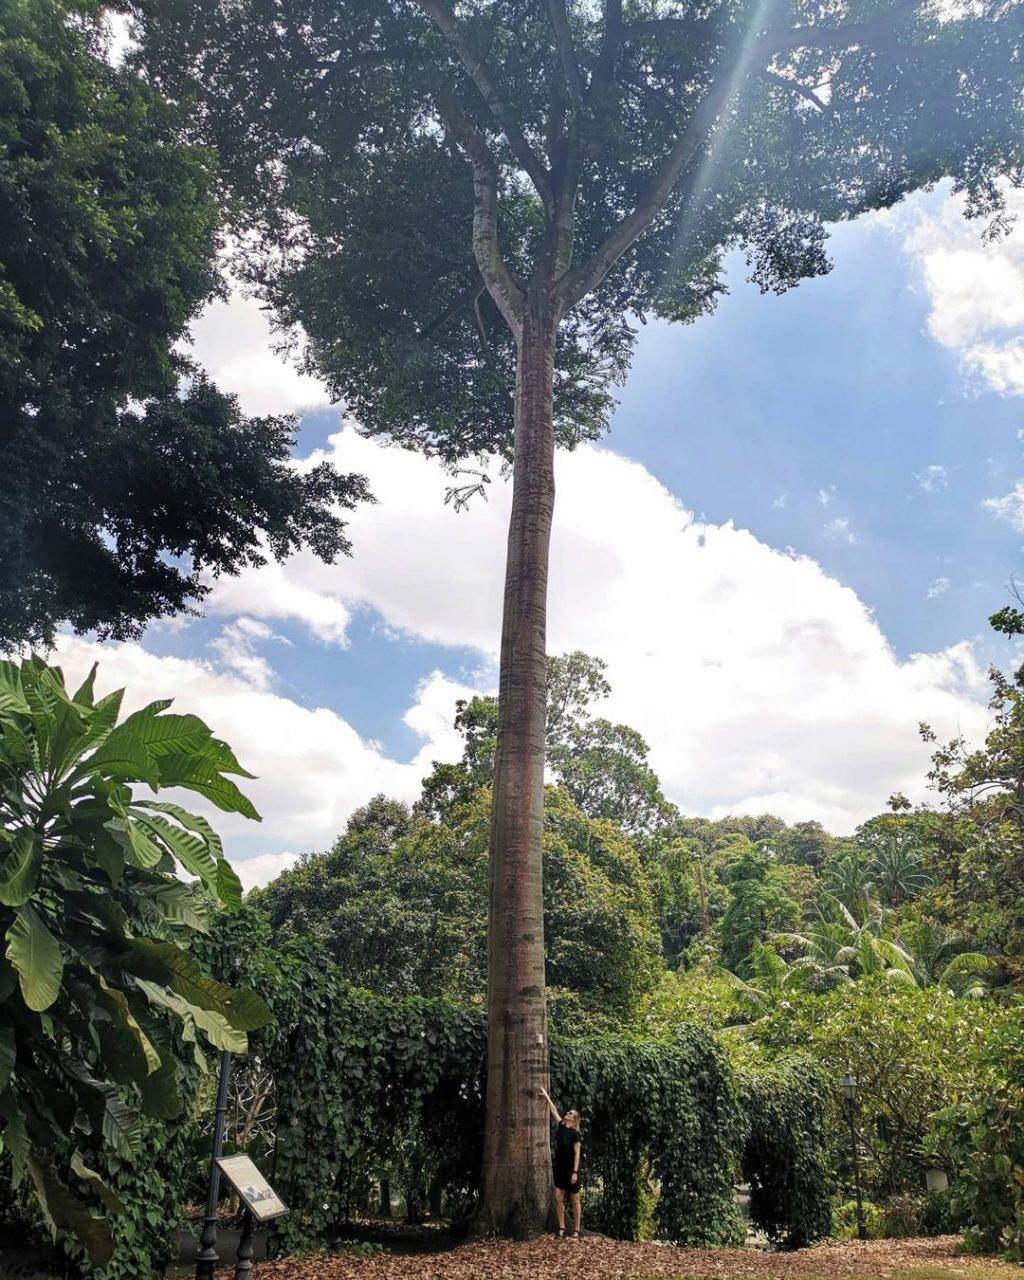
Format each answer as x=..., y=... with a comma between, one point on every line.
x=517, y=1163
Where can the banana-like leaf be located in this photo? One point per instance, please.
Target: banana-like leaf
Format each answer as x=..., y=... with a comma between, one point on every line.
x=160, y=1093
x=36, y=954
x=65, y=1212
x=190, y=850
x=15, y=1136
x=122, y=757
x=221, y=1034
x=107, y=1194
x=12, y=695
x=84, y=694
x=178, y=903
x=190, y=821
x=207, y=780
x=20, y=863
x=144, y=852
x=229, y=887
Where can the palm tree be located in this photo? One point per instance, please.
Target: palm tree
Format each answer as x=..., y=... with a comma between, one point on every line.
x=897, y=871
x=838, y=947
x=850, y=880
x=941, y=958
x=768, y=982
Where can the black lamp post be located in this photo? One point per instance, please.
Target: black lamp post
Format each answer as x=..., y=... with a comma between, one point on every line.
x=206, y=1260
x=851, y=1096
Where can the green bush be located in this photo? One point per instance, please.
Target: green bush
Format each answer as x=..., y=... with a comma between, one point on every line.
x=844, y=1221
x=983, y=1142
x=368, y=1087
x=786, y=1157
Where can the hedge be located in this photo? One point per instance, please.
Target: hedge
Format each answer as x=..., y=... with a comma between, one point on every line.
x=785, y=1159
x=370, y=1088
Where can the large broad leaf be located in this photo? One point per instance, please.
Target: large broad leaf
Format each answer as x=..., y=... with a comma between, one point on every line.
x=12, y=695
x=15, y=1136
x=161, y=1096
x=206, y=779
x=19, y=868
x=179, y=904
x=122, y=757
x=190, y=850
x=190, y=821
x=65, y=1212
x=107, y=1194
x=218, y=1030
x=229, y=887
x=8, y=1054
x=36, y=954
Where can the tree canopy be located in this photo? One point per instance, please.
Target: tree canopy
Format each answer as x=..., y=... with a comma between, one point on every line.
x=121, y=487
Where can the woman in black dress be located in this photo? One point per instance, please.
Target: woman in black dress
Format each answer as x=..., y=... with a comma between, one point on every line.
x=568, y=1147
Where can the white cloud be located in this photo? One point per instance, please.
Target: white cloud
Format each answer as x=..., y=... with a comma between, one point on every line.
x=233, y=341
x=760, y=681
x=839, y=531
x=975, y=290
x=1010, y=507
x=235, y=646
x=312, y=768
x=825, y=495
x=779, y=502
x=938, y=588
x=264, y=867
x=933, y=478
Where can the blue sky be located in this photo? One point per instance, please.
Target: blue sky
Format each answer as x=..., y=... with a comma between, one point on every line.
x=839, y=444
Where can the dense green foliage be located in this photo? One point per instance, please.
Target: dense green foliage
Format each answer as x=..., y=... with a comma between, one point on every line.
x=786, y=1157
x=119, y=488
x=368, y=1087
x=595, y=107
x=981, y=1141
x=101, y=998
x=401, y=903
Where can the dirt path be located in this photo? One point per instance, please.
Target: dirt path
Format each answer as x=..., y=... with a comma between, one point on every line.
x=597, y=1258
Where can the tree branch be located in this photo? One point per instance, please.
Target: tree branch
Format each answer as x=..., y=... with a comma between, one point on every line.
x=481, y=76
x=566, y=51
x=795, y=87
x=575, y=285
x=501, y=284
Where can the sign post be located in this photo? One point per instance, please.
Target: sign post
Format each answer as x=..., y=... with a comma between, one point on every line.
x=261, y=1201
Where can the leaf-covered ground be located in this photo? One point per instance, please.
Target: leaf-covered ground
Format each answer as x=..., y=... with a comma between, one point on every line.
x=597, y=1258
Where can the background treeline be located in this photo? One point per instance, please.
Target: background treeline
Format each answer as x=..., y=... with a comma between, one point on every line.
x=894, y=953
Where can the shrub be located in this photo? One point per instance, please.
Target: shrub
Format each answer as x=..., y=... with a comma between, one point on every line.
x=983, y=1142
x=786, y=1157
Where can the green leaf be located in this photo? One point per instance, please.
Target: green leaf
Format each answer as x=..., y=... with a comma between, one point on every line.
x=122, y=757
x=190, y=850
x=144, y=852
x=12, y=694
x=36, y=954
x=229, y=887
x=19, y=869
x=65, y=1212
x=85, y=691
x=205, y=778
x=161, y=1096
x=179, y=903
x=15, y=1136
x=110, y=1198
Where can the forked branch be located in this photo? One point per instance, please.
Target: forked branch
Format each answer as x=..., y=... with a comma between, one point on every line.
x=481, y=75
x=501, y=284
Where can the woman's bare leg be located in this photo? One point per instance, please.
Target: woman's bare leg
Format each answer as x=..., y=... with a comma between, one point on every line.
x=560, y=1208
x=577, y=1212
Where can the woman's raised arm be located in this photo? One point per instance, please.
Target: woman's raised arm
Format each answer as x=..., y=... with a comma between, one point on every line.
x=551, y=1106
